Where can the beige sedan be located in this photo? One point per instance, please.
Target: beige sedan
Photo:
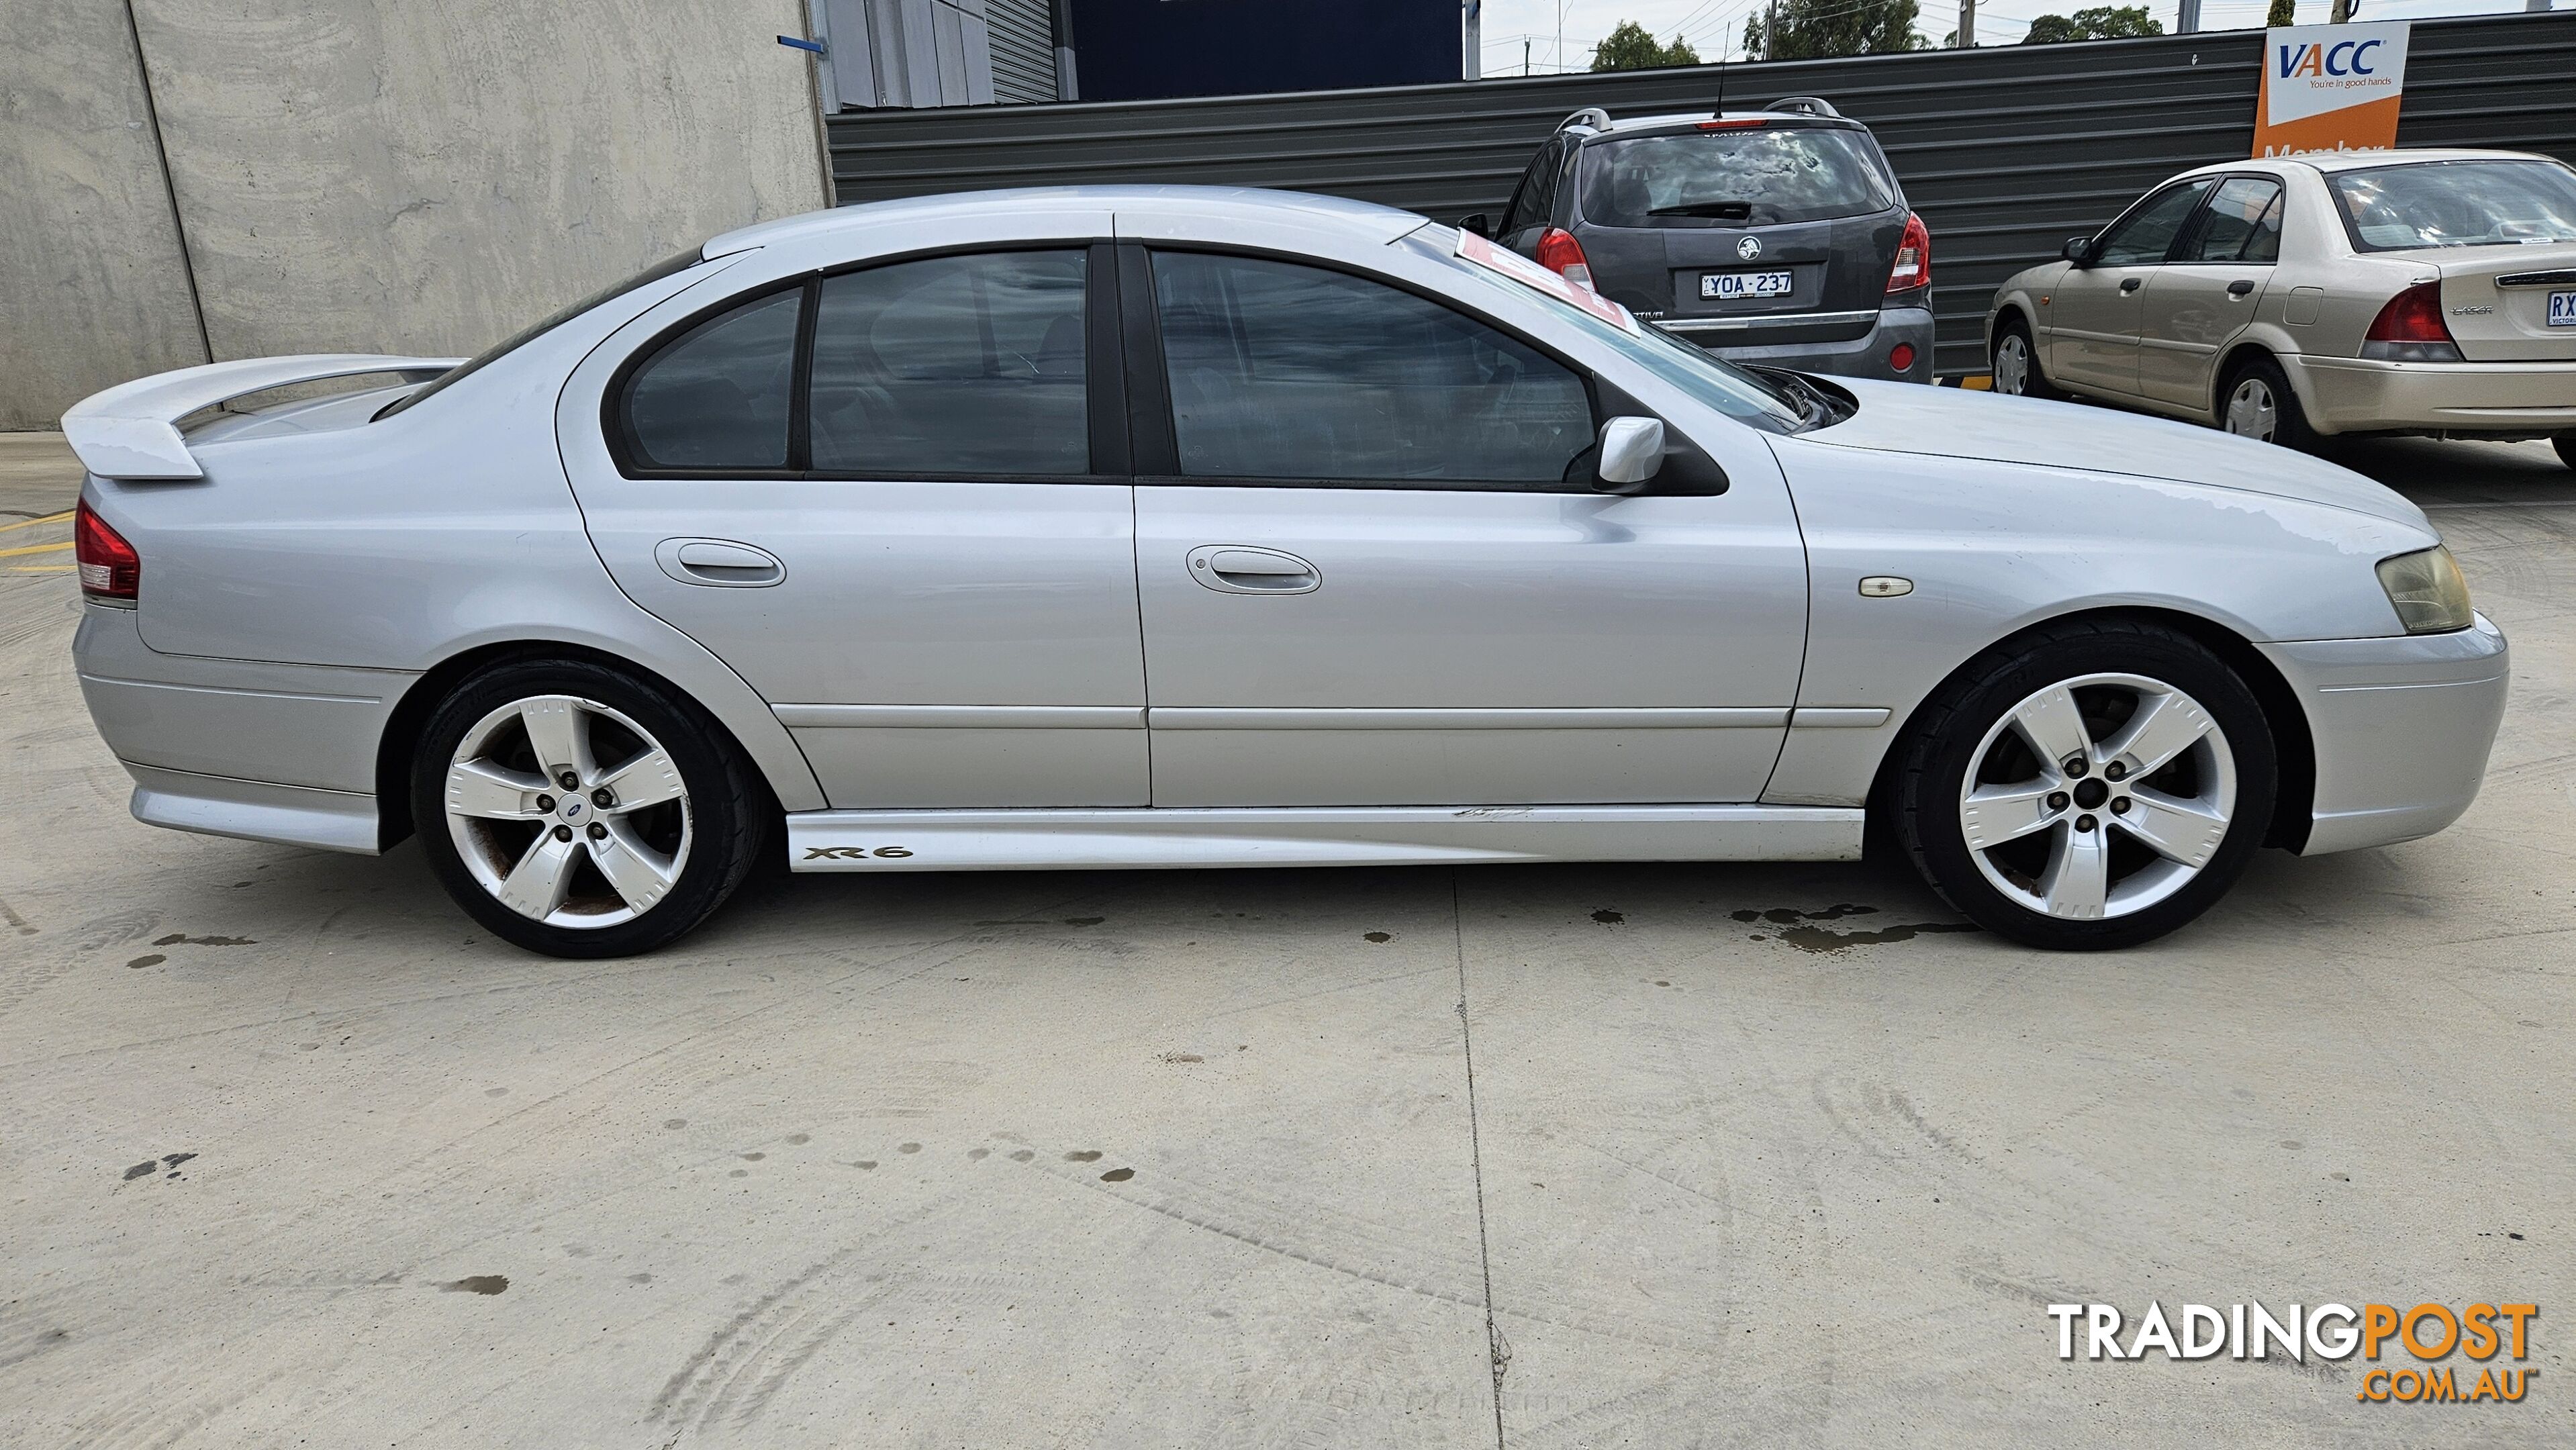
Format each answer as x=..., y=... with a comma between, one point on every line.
x=2284, y=299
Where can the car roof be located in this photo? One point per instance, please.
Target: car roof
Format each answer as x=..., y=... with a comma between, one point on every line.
x=1693, y=120
x=1360, y=221
x=2331, y=162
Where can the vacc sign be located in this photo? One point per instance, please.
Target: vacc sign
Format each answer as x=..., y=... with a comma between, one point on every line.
x=2330, y=88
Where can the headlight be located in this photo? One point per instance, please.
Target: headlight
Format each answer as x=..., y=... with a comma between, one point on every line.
x=2426, y=587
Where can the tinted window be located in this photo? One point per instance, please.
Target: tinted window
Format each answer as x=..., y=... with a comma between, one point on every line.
x=2146, y=234
x=2458, y=204
x=716, y=396
x=1524, y=208
x=1290, y=372
x=953, y=365
x=2241, y=224
x=1758, y=177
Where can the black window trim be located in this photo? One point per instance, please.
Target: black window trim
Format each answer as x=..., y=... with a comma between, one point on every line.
x=1104, y=393
x=2194, y=224
x=1158, y=441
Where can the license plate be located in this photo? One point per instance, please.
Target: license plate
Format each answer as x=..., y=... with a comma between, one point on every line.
x=1726, y=286
x=2562, y=309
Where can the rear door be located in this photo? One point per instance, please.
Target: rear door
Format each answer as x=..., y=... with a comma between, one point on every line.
x=1366, y=580
x=2095, y=312
x=888, y=498
x=2206, y=293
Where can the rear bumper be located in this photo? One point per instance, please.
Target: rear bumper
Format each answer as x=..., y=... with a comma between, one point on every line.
x=2402, y=728
x=1861, y=357
x=2360, y=395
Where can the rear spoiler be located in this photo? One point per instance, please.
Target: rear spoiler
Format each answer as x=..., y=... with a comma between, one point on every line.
x=130, y=431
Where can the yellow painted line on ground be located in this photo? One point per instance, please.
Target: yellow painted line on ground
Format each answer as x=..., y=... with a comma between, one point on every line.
x=1980, y=383
x=31, y=523
x=42, y=568
x=35, y=549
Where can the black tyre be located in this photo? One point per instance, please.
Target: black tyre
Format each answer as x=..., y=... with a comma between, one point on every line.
x=581, y=811
x=2565, y=443
x=2015, y=362
x=2087, y=785
x=2256, y=401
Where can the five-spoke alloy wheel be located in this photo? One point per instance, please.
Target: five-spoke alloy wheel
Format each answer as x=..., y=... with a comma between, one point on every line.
x=2089, y=785
x=579, y=811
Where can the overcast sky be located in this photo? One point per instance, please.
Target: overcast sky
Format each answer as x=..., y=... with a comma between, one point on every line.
x=1713, y=26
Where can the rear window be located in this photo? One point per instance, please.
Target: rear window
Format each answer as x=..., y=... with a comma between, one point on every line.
x=2458, y=204
x=668, y=266
x=1758, y=177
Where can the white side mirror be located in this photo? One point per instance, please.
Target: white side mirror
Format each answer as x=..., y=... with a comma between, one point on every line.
x=1632, y=449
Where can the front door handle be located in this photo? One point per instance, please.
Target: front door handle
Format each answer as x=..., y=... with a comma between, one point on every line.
x=1245, y=569
x=2241, y=287
x=2132, y=284
x=721, y=563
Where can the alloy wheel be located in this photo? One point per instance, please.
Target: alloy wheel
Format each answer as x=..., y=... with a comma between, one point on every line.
x=2251, y=411
x=568, y=812
x=2098, y=796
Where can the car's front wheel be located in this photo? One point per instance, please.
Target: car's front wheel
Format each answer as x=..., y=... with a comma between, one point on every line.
x=2016, y=363
x=581, y=811
x=2089, y=785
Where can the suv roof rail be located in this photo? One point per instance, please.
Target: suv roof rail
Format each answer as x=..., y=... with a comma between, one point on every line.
x=1804, y=106
x=1592, y=116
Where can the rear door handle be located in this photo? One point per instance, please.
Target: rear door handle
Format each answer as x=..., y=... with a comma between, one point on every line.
x=721, y=563
x=2241, y=287
x=1245, y=569
x=2132, y=284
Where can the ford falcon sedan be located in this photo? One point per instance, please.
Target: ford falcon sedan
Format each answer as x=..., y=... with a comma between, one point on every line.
x=1165, y=527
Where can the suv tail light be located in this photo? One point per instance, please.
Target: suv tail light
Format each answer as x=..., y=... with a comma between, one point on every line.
x=1560, y=253
x=109, y=567
x=2410, y=328
x=1913, y=257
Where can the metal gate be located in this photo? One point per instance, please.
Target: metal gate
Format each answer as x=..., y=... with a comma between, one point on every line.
x=2005, y=151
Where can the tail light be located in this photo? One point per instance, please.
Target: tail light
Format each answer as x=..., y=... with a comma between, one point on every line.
x=1560, y=253
x=2410, y=328
x=1913, y=257
x=109, y=567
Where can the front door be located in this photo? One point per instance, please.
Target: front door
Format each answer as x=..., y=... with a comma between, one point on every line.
x=2198, y=302
x=2093, y=311
x=1367, y=581
x=923, y=563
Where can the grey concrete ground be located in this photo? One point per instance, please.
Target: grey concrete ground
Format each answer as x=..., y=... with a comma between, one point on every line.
x=294, y=1155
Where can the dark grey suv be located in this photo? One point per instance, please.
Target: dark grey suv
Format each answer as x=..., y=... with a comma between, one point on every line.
x=1775, y=237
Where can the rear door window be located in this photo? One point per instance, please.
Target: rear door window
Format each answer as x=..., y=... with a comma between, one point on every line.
x=2458, y=204
x=716, y=396
x=2242, y=223
x=1289, y=373
x=1762, y=176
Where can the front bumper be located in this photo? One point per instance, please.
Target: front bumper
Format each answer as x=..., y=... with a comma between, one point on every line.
x=2360, y=395
x=1861, y=357
x=2402, y=727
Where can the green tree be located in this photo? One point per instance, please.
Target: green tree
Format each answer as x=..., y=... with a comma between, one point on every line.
x=1629, y=47
x=2283, y=12
x=1820, y=29
x=2103, y=22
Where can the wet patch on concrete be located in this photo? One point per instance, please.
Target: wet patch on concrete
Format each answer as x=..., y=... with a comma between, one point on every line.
x=476, y=1284
x=1117, y=1175
x=182, y=939
x=1607, y=917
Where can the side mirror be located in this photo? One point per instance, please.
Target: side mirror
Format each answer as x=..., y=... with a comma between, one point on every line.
x=1632, y=452
x=2081, y=251
x=1477, y=222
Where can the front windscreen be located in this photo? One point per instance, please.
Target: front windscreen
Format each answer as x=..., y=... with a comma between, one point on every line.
x=2458, y=204
x=1761, y=176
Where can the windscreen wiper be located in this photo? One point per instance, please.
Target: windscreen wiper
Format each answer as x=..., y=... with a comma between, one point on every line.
x=1732, y=211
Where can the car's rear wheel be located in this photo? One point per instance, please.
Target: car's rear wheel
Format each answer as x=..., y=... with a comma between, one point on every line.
x=2016, y=363
x=2258, y=402
x=581, y=811
x=2090, y=785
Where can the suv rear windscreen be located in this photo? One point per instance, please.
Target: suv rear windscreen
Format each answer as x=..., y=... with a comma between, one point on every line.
x=1756, y=177
x=2458, y=204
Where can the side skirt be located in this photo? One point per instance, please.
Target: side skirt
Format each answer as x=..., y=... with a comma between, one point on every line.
x=1046, y=840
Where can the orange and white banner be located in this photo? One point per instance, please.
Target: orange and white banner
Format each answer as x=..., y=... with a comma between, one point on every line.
x=2330, y=88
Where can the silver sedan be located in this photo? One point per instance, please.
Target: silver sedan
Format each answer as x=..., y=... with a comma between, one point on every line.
x=2289, y=299
x=1173, y=527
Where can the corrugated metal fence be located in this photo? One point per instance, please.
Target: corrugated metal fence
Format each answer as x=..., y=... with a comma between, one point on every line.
x=2006, y=151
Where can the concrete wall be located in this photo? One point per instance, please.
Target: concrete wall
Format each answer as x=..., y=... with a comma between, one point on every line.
x=373, y=175
x=92, y=288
